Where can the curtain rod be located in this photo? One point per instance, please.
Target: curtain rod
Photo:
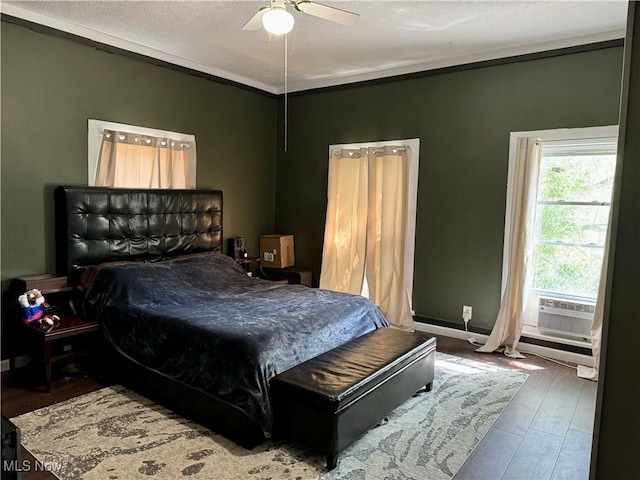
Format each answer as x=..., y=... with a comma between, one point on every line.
x=353, y=151
x=393, y=149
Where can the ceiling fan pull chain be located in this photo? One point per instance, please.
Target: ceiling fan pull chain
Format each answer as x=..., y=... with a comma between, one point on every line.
x=286, y=103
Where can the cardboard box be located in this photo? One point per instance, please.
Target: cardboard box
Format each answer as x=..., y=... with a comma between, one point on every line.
x=276, y=251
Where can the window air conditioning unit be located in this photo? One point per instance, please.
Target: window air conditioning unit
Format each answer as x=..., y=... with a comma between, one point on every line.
x=565, y=317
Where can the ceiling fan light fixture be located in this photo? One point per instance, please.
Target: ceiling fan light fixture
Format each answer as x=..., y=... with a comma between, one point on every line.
x=277, y=21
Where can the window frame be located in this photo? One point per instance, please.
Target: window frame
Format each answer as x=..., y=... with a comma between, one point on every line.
x=96, y=128
x=529, y=315
x=583, y=133
x=607, y=146
x=413, y=156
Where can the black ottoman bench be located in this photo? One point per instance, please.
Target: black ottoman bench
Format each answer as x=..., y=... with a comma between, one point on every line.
x=334, y=398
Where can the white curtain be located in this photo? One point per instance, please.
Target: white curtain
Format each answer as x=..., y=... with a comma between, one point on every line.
x=129, y=160
x=519, y=238
x=591, y=373
x=366, y=227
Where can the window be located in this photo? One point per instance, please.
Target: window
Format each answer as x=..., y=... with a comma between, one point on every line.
x=571, y=183
x=128, y=156
x=369, y=233
x=575, y=182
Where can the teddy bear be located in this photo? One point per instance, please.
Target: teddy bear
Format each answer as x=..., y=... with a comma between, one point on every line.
x=33, y=303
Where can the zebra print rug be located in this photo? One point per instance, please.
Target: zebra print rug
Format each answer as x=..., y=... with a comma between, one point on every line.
x=115, y=434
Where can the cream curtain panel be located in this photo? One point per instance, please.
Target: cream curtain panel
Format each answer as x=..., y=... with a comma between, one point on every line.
x=592, y=373
x=508, y=327
x=386, y=235
x=345, y=235
x=366, y=228
x=128, y=160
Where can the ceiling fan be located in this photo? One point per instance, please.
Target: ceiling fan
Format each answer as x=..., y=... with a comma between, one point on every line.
x=275, y=18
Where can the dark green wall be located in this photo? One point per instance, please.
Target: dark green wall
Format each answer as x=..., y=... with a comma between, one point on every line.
x=463, y=119
x=51, y=86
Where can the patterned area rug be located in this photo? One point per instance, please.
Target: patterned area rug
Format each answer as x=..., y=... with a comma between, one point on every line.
x=116, y=434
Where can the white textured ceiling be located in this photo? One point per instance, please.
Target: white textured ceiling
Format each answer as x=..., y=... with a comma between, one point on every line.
x=392, y=37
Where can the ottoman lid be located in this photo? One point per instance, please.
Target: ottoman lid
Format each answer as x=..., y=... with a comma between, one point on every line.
x=339, y=375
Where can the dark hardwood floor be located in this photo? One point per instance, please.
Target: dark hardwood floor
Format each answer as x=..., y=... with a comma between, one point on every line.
x=544, y=433
x=24, y=392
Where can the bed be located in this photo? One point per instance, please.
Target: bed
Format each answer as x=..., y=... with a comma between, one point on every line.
x=181, y=322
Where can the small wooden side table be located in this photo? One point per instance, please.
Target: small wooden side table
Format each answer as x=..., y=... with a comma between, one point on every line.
x=43, y=342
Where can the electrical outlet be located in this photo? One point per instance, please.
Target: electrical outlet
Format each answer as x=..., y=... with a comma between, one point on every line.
x=466, y=313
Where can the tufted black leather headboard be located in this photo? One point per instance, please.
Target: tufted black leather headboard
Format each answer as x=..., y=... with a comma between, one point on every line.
x=96, y=225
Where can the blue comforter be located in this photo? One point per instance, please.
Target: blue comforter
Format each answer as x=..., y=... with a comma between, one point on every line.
x=202, y=321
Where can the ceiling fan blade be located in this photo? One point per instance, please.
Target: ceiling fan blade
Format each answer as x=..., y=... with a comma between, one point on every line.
x=256, y=21
x=332, y=14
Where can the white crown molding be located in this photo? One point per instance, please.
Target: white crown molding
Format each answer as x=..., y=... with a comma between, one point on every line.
x=299, y=86
x=461, y=60
x=124, y=44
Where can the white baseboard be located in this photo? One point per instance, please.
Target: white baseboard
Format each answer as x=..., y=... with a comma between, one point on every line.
x=20, y=362
x=561, y=355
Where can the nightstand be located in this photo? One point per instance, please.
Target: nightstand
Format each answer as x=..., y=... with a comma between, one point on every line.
x=247, y=263
x=291, y=275
x=77, y=332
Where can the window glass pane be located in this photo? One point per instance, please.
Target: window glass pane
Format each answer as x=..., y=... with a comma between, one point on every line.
x=584, y=178
x=569, y=270
x=581, y=224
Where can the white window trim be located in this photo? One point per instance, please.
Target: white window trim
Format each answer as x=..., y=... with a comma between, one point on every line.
x=94, y=137
x=545, y=135
x=413, y=145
